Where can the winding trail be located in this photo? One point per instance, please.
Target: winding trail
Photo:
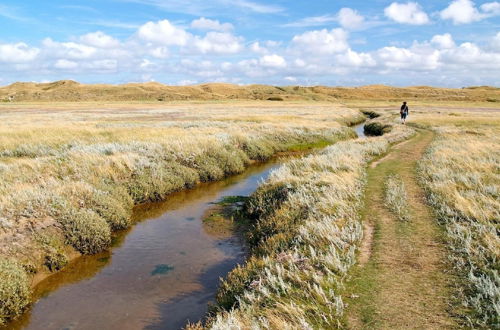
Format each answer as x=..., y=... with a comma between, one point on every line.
x=401, y=281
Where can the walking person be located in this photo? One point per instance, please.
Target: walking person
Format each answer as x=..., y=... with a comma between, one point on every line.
x=404, y=112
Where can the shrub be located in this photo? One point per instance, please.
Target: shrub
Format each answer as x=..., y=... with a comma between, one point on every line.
x=261, y=149
x=55, y=260
x=14, y=290
x=158, y=179
x=116, y=213
x=85, y=230
x=377, y=129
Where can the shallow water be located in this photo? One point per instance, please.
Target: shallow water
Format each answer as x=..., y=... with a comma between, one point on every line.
x=159, y=274
x=360, y=130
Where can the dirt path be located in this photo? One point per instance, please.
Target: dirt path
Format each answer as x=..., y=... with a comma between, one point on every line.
x=401, y=281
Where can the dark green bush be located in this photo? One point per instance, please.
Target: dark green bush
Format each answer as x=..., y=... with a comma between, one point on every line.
x=55, y=260
x=85, y=230
x=377, y=129
x=14, y=290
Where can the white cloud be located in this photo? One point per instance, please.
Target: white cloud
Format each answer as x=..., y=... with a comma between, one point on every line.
x=257, y=48
x=65, y=64
x=354, y=59
x=17, y=53
x=159, y=52
x=101, y=65
x=218, y=43
x=68, y=50
x=212, y=25
x=465, y=11
x=495, y=43
x=346, y=17
x=461, y=12
x=491, y=8
x=443, y=41
x=321, y=42
x=100, y=40
x=350, y=19
x=313, y=21
x=414, y=59
x=407, y=13
x=163, y=33
x=272, y=61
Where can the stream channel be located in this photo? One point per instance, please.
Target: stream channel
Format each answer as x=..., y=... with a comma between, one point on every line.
x=159, y=274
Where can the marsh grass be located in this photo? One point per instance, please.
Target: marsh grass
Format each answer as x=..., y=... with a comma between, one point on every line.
x=80, y=171
x=396, y=197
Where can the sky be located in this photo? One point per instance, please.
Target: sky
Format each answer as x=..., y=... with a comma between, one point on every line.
x=451, y=43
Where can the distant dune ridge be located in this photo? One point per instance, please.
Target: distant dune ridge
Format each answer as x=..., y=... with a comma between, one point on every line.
x=71, y=91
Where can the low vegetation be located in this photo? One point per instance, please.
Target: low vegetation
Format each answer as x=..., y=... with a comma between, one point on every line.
x=396, y=198
x=70, y=177
x=304, y=234
x=461, y=174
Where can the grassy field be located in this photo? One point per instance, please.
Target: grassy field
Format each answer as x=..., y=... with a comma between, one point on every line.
x=70, y=174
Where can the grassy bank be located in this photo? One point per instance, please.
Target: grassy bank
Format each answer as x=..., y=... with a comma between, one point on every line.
x=461, y=174
x=304, y=234
x=69, y=177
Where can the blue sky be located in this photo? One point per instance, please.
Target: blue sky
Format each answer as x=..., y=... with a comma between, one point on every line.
x=445, y=43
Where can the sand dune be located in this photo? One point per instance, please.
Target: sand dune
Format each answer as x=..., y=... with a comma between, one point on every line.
x=71, y=91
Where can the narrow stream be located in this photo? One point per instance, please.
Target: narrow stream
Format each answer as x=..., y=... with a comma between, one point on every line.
x=159, y=274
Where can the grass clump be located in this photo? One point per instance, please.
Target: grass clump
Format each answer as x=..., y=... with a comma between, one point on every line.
x=396, y=197
x=15, y=291
x=85, y=230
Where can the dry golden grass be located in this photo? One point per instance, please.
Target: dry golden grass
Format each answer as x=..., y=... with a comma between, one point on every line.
x=461, y=174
